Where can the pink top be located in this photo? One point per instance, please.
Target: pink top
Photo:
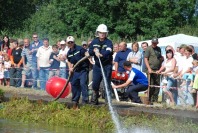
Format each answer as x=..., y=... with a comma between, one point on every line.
x=168, y=65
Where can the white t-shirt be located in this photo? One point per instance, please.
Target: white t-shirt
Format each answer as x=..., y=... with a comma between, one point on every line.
x=7, y=64
x=177, y=56
x=131, y=76
x=63, y=53
x=1, y=58
x=114, y=55
x=43, y=55
x=1, y=72
x=180, y=60
x=186, y=64
x=137, y=56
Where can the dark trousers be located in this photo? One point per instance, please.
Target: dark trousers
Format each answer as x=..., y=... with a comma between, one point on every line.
x=133, y=90
x=15, y=77
x=97, y=77
x=79, y=84
x=154, y=91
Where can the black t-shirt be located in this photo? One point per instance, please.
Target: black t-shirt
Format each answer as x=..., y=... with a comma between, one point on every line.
x=16, y=53
x=195, y=56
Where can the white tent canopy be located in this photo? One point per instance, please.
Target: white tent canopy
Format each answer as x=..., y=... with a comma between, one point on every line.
x=175, y=41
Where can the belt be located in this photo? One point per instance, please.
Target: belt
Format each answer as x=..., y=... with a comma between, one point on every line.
x=53, y=69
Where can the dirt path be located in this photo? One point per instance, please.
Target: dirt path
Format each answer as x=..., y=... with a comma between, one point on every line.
x=123, y=108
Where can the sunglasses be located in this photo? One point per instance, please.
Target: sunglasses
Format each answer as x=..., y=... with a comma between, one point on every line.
x=35, y=37
x=70, y=42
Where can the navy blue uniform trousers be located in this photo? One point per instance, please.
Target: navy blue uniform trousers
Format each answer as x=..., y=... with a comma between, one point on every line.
x=79, y=84
x=97, y=77
x=133, y=90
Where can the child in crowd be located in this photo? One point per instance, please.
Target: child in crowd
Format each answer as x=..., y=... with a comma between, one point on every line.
x=7, y=65
x=1, y=57
x=54, y=61
x=195, y=87
x=1, y=73
x=190, y=76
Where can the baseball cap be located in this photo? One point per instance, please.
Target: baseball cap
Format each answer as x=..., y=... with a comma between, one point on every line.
x=62, y=42
x=70, y=39
x=84, y=42
x=154, y=40
x=183, y=46
x=21, y=43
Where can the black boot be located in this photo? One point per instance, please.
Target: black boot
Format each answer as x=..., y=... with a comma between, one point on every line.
x=94, y=97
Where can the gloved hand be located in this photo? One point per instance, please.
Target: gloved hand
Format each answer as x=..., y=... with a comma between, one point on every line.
x=87, y=54
x=97, y=53
x=96, y=50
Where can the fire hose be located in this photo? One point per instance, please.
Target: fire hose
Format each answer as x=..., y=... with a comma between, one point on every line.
x=70, y=76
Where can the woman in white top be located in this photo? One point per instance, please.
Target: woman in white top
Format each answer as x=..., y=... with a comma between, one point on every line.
x=169, y=66
x=135, y=56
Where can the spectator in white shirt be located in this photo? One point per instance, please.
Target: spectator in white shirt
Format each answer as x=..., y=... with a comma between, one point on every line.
x=43, y=55
x=63, y=59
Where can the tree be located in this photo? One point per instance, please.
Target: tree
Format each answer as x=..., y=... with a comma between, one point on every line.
x=124, y=18
x=14, y=12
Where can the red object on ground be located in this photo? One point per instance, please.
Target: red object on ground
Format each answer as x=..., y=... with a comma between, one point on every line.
x=119, y=76
x=124, y=76
x=55, y=85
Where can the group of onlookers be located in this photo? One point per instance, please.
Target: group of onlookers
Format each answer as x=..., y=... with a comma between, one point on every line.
x=176, y=73
x=25, y=63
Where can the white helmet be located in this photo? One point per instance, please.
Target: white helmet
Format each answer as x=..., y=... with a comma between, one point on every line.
x=102, y=28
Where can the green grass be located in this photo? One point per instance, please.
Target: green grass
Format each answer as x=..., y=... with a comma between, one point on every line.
x=1, y=92
x=88, y=117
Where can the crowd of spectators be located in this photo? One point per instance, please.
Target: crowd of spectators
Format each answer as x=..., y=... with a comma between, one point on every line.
x=175, y=74
x=31, y=63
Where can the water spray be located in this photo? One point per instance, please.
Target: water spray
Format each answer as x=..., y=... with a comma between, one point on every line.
x=113, y=113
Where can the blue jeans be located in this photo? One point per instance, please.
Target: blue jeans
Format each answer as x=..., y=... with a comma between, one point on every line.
x=7, y=74
x=63, y=72
x=189, y=76
x=172, y=83
x=43, y=76
x=15, y=77
x=184, y=95
x=67, y=71
x=35, y=74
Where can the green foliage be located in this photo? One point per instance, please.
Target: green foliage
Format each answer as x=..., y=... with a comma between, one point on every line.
x=126, y=20
x=1, y=92
x=89, y=117
x=56, y=114
x=14, y=12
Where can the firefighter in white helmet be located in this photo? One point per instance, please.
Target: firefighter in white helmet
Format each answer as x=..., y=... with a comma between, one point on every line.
x=101, y=47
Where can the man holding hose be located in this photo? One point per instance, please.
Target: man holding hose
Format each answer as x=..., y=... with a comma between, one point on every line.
x=101, y=48
x=79, y=79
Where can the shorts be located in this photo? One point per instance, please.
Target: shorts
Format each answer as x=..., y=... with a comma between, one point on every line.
x=27, y=70
x=6, y=74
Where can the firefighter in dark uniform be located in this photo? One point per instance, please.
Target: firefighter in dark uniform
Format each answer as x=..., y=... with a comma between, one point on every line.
x=101, y=47
x=79, y=79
